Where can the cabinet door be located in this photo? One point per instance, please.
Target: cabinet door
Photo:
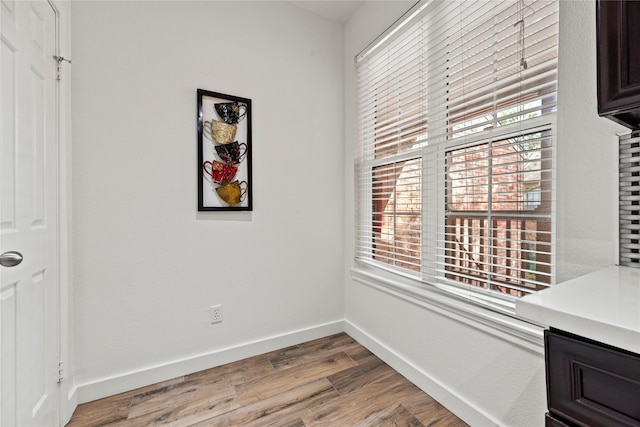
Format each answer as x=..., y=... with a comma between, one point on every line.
x=591, y=384
x=618, y=35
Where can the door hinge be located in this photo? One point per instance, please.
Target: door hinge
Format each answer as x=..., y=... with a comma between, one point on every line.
x=60, y=59
x=60, y=371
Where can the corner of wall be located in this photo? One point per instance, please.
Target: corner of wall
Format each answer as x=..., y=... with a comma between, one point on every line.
x=460, y=406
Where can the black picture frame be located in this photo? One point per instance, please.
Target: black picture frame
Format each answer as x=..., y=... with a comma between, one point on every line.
x=219, y=149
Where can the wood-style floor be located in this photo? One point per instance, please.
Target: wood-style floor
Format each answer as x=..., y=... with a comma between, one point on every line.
x=333, y=381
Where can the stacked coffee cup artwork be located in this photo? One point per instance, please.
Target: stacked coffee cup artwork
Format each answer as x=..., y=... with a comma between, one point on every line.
x=229, y=151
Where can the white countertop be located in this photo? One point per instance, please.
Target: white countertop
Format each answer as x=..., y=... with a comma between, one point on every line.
x=603, y=306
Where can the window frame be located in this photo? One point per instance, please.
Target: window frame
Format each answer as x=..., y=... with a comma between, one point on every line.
x=487, y=298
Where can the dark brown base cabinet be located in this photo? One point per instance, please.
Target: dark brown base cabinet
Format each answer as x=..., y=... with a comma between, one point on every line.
x=590, y=384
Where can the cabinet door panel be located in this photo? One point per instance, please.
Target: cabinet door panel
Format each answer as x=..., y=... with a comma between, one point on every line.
x=591, y=384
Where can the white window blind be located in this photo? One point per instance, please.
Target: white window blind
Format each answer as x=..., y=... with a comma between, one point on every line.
x=629, y=194
x=454, y=167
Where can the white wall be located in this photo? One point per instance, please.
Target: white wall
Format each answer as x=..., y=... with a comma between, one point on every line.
x=587, y=189
x=486, y=378
x=146, y=264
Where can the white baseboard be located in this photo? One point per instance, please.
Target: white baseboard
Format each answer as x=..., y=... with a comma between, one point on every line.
x=69, y=405
x=103, y=387
x=464, y=409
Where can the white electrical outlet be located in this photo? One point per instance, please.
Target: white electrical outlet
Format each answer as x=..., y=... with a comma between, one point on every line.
x=216, y=313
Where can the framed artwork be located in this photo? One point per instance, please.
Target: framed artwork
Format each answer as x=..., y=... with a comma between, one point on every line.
x=224, y=152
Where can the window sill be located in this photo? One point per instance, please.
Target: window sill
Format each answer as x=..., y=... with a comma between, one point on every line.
x=503, y=326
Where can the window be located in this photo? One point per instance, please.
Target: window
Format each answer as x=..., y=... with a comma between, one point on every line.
x=396, y=213
x=455, y=163
x=497, y=230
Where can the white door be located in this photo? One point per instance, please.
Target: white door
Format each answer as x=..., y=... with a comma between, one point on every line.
x=29, y=325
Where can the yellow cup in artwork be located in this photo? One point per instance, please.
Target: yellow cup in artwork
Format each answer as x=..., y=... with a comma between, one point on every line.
x=233, y=192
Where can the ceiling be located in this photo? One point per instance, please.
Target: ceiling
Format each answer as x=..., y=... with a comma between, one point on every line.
x=335, y=10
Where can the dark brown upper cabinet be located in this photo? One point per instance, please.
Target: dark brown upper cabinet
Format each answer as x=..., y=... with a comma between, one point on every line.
x=618, y=55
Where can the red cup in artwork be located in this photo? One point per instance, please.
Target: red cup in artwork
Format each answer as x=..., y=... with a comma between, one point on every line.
x=220, y=173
